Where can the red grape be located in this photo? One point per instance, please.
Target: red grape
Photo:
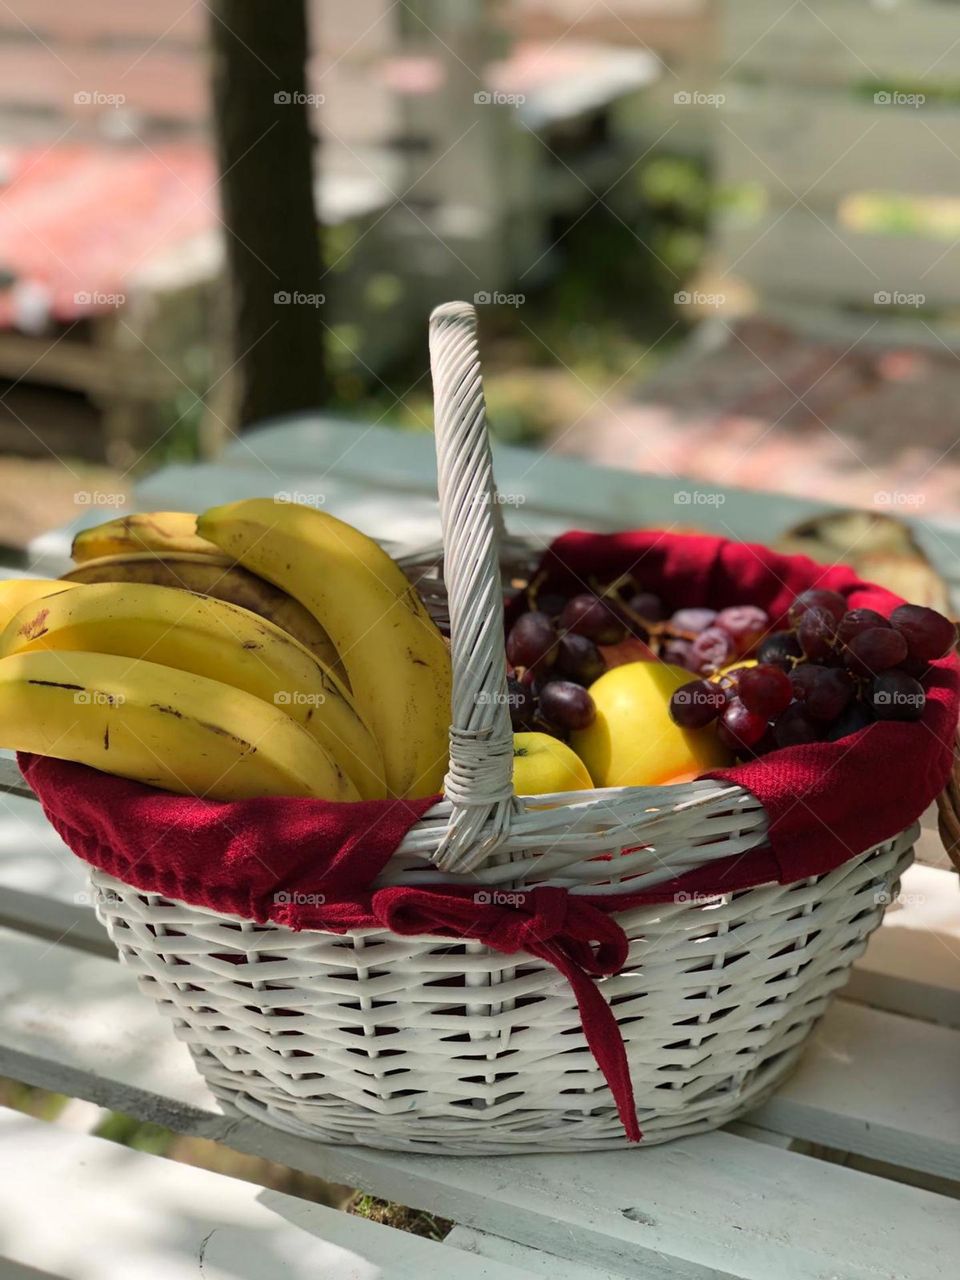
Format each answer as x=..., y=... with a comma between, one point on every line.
x=815, y=631
x=875, y=650
x=794, y=729
x=857, y=620
x=693, y=620
x=739, y=727
x=764, y=689
x=647, y=606
x=817, y=598
x=929, y=635
x=744, y=623
x=824, y=692
x=532, y=641
x=711, y=650
x=567, y=705
x=588, y=615
x=780, y=649
x=896, y=696
x=579, y=659
x=695, y=705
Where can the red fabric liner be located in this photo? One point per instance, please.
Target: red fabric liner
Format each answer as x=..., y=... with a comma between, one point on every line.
x=309, y=864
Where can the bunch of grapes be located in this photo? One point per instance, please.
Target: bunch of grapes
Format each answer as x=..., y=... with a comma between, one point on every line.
x=831, y=672
x=557, y=649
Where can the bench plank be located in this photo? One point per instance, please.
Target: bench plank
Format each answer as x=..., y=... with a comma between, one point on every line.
x=120, y=1213
x=707, y=1207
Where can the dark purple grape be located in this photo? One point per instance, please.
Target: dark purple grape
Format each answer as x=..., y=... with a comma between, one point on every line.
x=817, y=598
x=579, y=659
x=693, y=620
x=588, y=615
x=929, y=635
x=744, y=623
x=765, y=689
x=567, y=705
x=815, y=631
x=532, y=641
x=740, y=728
x=875, y=650
x=857, y=620
x=647, y=606
x=711, y=650
x=551, y=603
x=697, y=704
x=896, y=696
x=915, y=667
x=521, y=704
x=794, y=729
x=677, y=653
x=855, y=718
x=780, y=650
x=824, y=692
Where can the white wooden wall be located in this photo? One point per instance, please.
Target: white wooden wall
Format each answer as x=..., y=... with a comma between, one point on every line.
x=801, y=124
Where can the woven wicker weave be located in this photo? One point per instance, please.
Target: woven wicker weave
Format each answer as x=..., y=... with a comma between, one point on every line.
x=426, y=1044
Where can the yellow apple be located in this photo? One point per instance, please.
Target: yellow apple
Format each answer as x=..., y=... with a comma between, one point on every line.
x=633, y=742
x=542, y=764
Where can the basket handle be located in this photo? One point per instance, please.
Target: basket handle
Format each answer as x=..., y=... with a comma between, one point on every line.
x=479, y=781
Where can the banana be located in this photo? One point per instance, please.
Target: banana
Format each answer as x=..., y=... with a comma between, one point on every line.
x=169, y=728
x=17, y=592
x=208, y=638
x=159, y=531
x=395, y=657
x=220, y=578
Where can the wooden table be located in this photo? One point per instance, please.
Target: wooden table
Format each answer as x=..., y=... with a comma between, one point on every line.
x=850, y=1171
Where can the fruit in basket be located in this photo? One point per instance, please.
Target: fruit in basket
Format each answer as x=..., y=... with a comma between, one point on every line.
x=634, y=741
x=542, y=764
x=171, y=729
x=221, y=579
x=164, y=532
x=208, y=638
x=396, y=660
x=834, y=672
x=17, y=592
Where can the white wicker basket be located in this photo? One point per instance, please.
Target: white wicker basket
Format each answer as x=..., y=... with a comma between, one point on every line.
x=420, y=1043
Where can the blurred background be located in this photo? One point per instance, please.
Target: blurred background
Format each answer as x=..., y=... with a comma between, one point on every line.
x=708, y=238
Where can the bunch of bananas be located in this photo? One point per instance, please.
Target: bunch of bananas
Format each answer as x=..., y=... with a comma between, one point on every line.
x=264, y=649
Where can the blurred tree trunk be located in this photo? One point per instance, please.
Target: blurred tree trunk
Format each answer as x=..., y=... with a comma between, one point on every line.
x=272, y=237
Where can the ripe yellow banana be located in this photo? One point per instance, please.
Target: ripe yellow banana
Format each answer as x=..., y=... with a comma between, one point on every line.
x=395, y=657
x=160, y=531
x=17, y=592
x=169, y=728
x=220, y=578
x=208, y=638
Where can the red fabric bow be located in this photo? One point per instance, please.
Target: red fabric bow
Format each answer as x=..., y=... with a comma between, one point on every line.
x=307, y=864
